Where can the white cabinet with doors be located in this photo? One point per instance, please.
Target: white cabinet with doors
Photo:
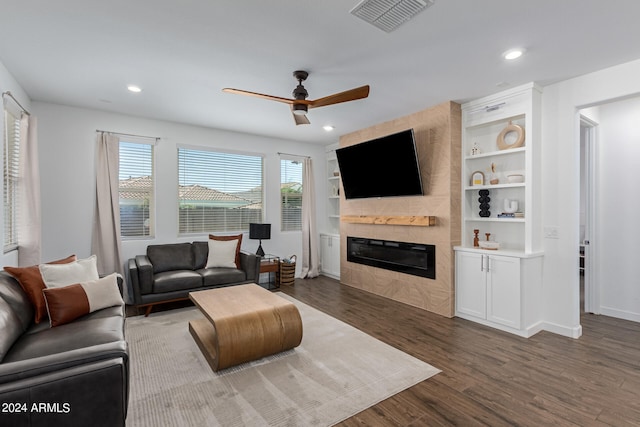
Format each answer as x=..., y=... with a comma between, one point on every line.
x=501, y=291
x=330, y=255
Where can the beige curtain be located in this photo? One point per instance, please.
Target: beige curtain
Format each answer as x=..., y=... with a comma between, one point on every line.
x=105, y=240
x=310, y=259
x=29, y=220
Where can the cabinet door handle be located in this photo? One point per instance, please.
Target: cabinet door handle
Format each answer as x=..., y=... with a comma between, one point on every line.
x=481, y=262
x=488, y=263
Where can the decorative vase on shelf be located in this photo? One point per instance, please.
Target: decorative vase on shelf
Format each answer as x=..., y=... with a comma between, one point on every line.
x=484, y=200
x=510, y=206
x=493, y=178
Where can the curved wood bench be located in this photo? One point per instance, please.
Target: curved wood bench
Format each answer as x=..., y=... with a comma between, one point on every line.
x=243, y=323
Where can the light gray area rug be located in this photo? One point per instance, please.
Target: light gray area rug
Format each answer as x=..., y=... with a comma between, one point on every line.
x=336, y=372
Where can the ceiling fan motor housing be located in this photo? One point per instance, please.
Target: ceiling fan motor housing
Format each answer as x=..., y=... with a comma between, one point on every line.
x=300, y=93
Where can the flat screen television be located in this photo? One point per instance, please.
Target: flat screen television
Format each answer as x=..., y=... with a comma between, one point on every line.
x=382, y=167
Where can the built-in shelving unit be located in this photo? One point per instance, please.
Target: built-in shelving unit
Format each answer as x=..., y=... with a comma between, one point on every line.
x=483, y=121
x=501, y=288
x=330, y=240
x=333, y=190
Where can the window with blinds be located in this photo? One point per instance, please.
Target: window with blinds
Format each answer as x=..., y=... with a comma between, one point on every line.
x=291, y=194
x=10, y=178
x=136, y=189
x=218, y=191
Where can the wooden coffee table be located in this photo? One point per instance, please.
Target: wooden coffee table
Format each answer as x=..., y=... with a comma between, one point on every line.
x=243, y=323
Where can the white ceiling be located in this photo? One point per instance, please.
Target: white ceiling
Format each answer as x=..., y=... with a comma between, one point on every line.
x=182, y=53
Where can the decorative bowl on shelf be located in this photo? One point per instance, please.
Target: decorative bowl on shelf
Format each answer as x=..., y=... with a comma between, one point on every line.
x=488, y=244
x=515, y=178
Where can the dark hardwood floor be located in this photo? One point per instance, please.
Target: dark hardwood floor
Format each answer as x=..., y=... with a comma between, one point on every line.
x=491, y=377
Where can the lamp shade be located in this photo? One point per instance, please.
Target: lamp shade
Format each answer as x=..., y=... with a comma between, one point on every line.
x=259, y=231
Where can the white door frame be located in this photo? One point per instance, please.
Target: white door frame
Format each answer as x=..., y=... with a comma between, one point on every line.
x=591, y=284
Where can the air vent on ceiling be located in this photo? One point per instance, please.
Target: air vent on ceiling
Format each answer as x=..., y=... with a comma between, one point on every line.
x=389, y=14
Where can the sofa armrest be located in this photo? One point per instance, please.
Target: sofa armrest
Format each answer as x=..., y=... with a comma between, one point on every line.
x=72, y=392
x=145, y=274
x=36, y=366
x=250, y=264
x=133, y=284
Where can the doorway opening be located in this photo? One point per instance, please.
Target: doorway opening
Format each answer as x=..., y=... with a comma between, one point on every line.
x=589, y=302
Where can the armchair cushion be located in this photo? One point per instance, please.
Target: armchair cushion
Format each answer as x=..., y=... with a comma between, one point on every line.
x=222, y=276
x=168, y=281
x=173, y=256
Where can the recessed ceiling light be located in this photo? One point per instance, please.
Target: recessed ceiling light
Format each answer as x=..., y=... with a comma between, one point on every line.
x=513, y=53
x=134, y=88
x=328, y=128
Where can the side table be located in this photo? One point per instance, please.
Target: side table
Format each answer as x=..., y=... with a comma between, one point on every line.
x=271, y=264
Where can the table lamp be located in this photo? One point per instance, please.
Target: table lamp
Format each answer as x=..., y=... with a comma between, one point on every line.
x=259, y=231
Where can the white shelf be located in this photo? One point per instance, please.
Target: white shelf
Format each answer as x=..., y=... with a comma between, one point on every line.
x=490, y=219
x=490, y=187
x=497, y=153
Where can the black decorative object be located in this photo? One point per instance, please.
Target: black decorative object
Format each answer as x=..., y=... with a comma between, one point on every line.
x=260, y=231
x=484, y=200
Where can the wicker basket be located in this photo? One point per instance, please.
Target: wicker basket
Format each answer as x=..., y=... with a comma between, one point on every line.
x=288, y=271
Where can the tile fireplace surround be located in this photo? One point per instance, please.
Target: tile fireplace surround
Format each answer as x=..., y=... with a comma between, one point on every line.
x=438, y=143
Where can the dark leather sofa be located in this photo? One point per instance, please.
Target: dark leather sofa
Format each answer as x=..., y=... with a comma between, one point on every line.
x=170, y=271
x=74, y=374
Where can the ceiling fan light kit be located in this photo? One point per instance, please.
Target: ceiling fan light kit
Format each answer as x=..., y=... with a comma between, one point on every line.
x=299, y=109
x=300, y=104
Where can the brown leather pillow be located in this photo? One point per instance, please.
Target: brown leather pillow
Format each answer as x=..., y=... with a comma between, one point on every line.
x=237, y=237
x=67, y=303
x=31, y=281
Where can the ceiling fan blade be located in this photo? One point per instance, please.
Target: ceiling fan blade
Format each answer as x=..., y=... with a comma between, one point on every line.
x=348, y=95
x=300, y=119
x=259, y=95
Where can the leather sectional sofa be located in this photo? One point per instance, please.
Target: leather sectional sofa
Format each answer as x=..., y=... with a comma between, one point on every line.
x=73, y=374
x=169, y=272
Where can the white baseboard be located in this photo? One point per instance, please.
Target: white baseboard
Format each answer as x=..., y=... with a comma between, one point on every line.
x=567, y=331
x=620, y=314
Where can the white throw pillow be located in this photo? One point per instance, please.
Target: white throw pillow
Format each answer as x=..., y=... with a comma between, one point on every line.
x=82, y=270
x=222, y=253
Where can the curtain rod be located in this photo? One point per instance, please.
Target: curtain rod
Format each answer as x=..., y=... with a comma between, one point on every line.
x=294, y=155
x=157, y=138
x=10, y=95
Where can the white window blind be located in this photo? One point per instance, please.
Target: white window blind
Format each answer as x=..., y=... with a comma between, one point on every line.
x=137, y=212
x=291, y=194
x=10, y=178
x=218, y=191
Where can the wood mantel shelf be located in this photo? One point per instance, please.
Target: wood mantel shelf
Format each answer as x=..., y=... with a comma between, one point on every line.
x=421, y=221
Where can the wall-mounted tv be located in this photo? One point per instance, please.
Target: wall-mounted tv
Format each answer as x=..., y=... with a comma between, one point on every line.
x=382, y=167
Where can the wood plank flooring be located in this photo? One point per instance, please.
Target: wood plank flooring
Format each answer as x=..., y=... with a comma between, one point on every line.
x=491, y=377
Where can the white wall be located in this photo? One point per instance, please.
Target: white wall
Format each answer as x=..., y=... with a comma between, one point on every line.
x=617, y=230
x=9, y=83
x=561, y=184
x=67, y=140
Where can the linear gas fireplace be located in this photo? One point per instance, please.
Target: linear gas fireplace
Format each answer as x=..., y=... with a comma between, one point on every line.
x=411, y=258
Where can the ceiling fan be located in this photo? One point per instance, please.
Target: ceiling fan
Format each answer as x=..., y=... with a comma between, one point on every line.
x=300, y=104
